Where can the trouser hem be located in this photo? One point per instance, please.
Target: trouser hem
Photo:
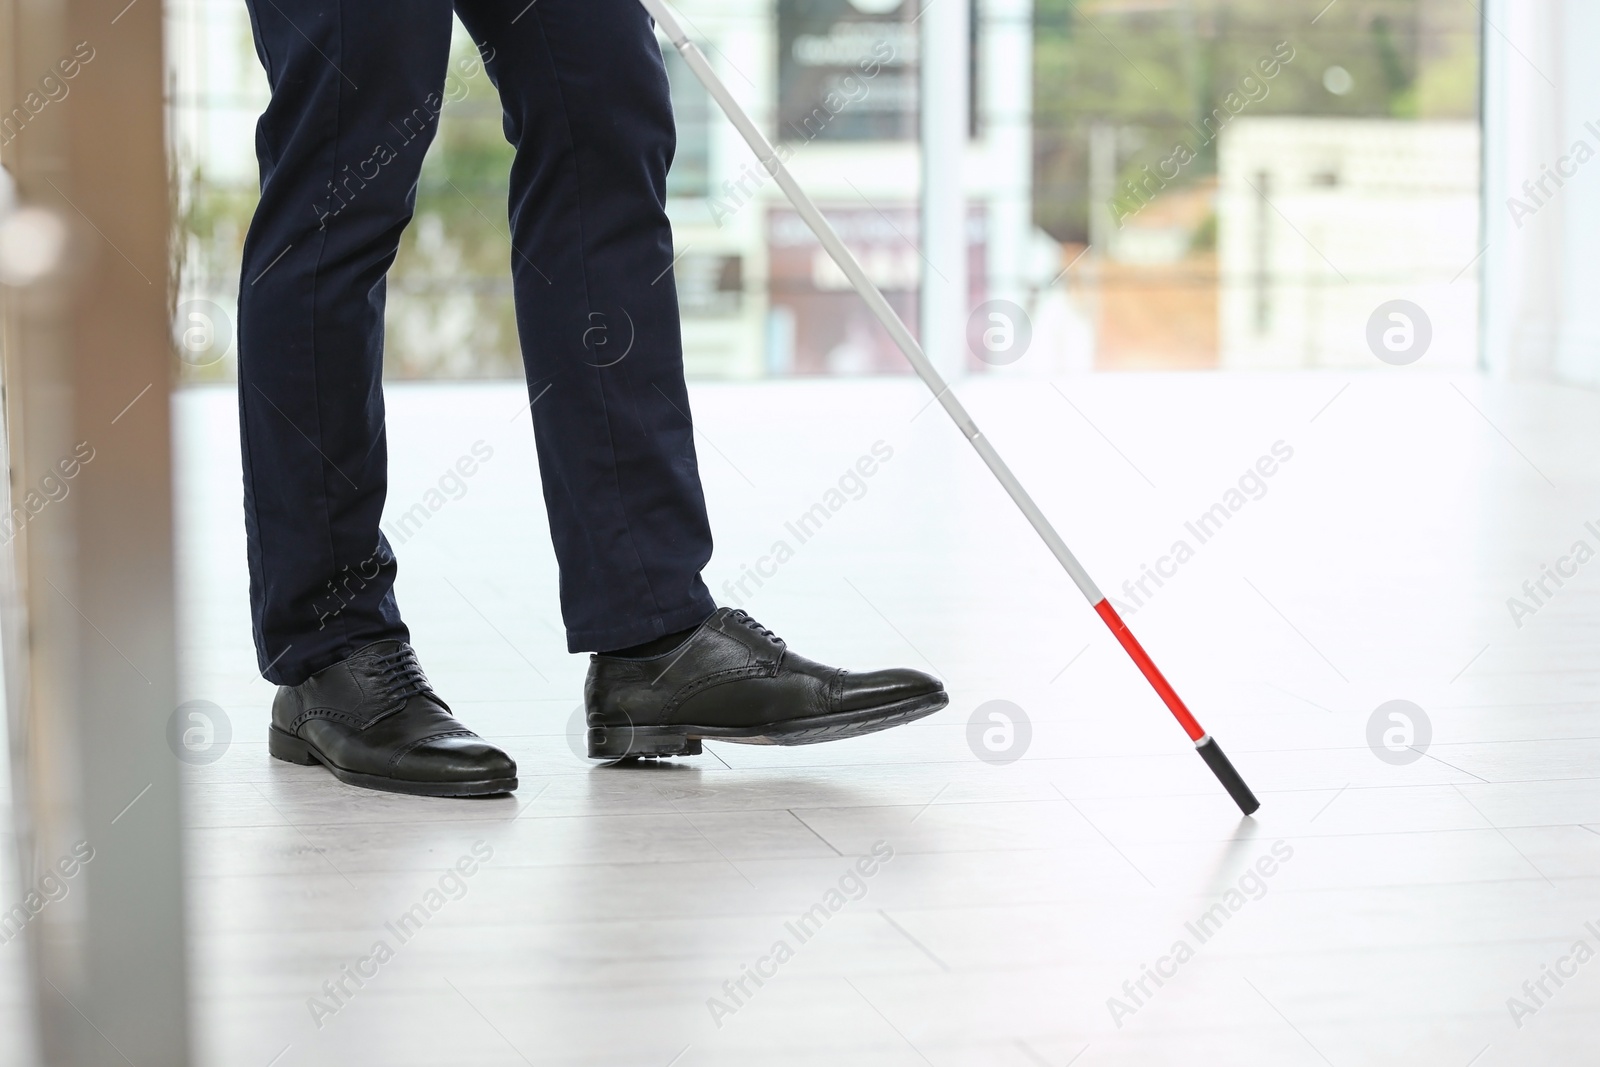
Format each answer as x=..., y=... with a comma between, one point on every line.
x=642, y=629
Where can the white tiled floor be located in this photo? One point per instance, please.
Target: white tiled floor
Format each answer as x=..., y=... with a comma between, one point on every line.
x=618, y=900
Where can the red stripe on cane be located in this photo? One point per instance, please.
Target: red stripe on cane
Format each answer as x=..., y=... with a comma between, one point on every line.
x=1147, y=667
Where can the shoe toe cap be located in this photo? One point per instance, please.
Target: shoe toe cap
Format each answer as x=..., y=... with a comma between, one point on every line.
x=869, y=689
x=456, y=759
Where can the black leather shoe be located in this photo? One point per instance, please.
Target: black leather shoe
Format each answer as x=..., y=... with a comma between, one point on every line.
x=735, y=680
x=374, y=721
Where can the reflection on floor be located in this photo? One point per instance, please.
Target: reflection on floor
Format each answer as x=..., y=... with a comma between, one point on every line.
x=1098, y=900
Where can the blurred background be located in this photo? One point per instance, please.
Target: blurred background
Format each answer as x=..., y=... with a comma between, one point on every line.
x=1160, y=184
x=1161, y=187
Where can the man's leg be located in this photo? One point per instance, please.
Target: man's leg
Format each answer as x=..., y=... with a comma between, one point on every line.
x=355, y=95
x=587, y=108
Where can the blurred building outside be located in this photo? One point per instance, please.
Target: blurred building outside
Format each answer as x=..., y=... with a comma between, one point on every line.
x=1348, y=177
x=1382, y=210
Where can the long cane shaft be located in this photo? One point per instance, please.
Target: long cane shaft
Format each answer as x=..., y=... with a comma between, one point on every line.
x=1207, y=746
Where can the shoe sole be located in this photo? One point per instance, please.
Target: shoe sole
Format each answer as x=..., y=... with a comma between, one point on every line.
x=624, y=742
x=291, y=749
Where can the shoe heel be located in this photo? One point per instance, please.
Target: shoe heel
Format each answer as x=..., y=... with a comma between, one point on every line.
x=289, y=748
x=621, y=742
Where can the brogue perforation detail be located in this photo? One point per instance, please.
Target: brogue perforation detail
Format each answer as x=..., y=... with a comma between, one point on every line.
x=684, y=692
x=395, y=759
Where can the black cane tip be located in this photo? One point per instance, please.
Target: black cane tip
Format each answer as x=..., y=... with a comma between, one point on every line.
x=1222, y=767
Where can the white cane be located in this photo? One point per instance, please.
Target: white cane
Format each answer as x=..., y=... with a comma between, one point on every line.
x=1204, y=743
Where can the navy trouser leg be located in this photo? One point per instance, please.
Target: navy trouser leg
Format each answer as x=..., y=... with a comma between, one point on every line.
x=347, y=77
x=588, y=110
x=356, y=89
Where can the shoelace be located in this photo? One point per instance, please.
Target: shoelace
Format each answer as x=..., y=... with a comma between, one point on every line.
x=399, y=676
x=743, y=617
